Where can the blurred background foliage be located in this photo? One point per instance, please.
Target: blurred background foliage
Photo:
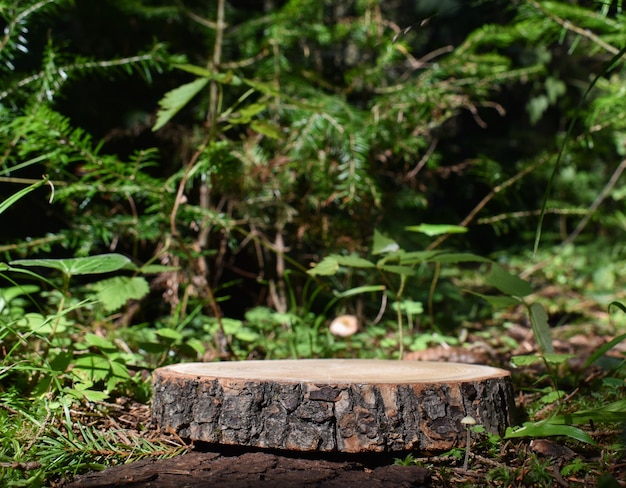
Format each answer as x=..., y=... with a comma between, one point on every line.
x=294, y=129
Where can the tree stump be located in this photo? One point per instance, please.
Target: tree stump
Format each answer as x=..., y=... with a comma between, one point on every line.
x=344, y=405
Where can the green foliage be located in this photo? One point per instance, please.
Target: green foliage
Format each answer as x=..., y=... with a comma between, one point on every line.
x=229, y=146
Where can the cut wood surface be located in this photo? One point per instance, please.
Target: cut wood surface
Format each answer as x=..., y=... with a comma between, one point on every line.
x=345, y=405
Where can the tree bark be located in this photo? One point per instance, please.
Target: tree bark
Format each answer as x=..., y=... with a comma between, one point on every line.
x=345, y=405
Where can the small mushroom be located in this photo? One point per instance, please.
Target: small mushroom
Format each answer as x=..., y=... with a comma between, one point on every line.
x=468, y=422
x=344, y=326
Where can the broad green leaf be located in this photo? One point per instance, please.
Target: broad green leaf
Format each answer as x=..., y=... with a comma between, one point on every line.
x=88, y=394
x=266, y=128
x=114, y=292
x=19, y=194
x=507, y=283
x=326, y=267
x=525, y=360
x=353, y=261
x=102, y=263
x=94, y=340
x=554, y=358
x=545, y=429
x=246, y=334
x=437, y=229
x=541, y=328
x=12, y=292
x=383, y=244
x=167, y=333
x=176, y=99
x=44, y=325
x=93, y=367
x=231, y=326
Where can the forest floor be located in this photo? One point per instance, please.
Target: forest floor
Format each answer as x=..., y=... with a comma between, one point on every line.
x=536, y=461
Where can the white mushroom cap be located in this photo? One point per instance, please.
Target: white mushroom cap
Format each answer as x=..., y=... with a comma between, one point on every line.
x=469, y=420
x=344, y=325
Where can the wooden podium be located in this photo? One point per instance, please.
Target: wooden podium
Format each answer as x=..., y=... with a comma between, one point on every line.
x=343, y=405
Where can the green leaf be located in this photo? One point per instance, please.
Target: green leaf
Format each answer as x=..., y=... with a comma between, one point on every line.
x=195, y=70
x=437, y=229
x=396, y=269
x=102, y=343
x=416, y=257
x=541, y=328
x=176, y=99
x=409, y=307
x=619, y=305
x=554, y=358
x=167, y=333
x=613, y=412
x=459, y=257
x=156, y=268
x=11, y=293
x=266, y=128
x=603, y=349
x=102, y=263
x=525, y=360
x=383, y=244
x=507, y=283
x=93, y=367
x=353, y=261
x=245, y=114
x=326, y=267
x=114, y=292
x=20, y=194
x=361, y=289
x=498, y=301
x=545, y=429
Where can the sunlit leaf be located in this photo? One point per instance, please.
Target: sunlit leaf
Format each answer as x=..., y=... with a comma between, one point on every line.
x=545, y=429
x=266, y=128
x=114, y=292
x=99, y=342
x=612, y=412
x=437, y=229
x=102, y=263
x=326, y=267
x=167, y=333
x=383, y=244
x=176, y=99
